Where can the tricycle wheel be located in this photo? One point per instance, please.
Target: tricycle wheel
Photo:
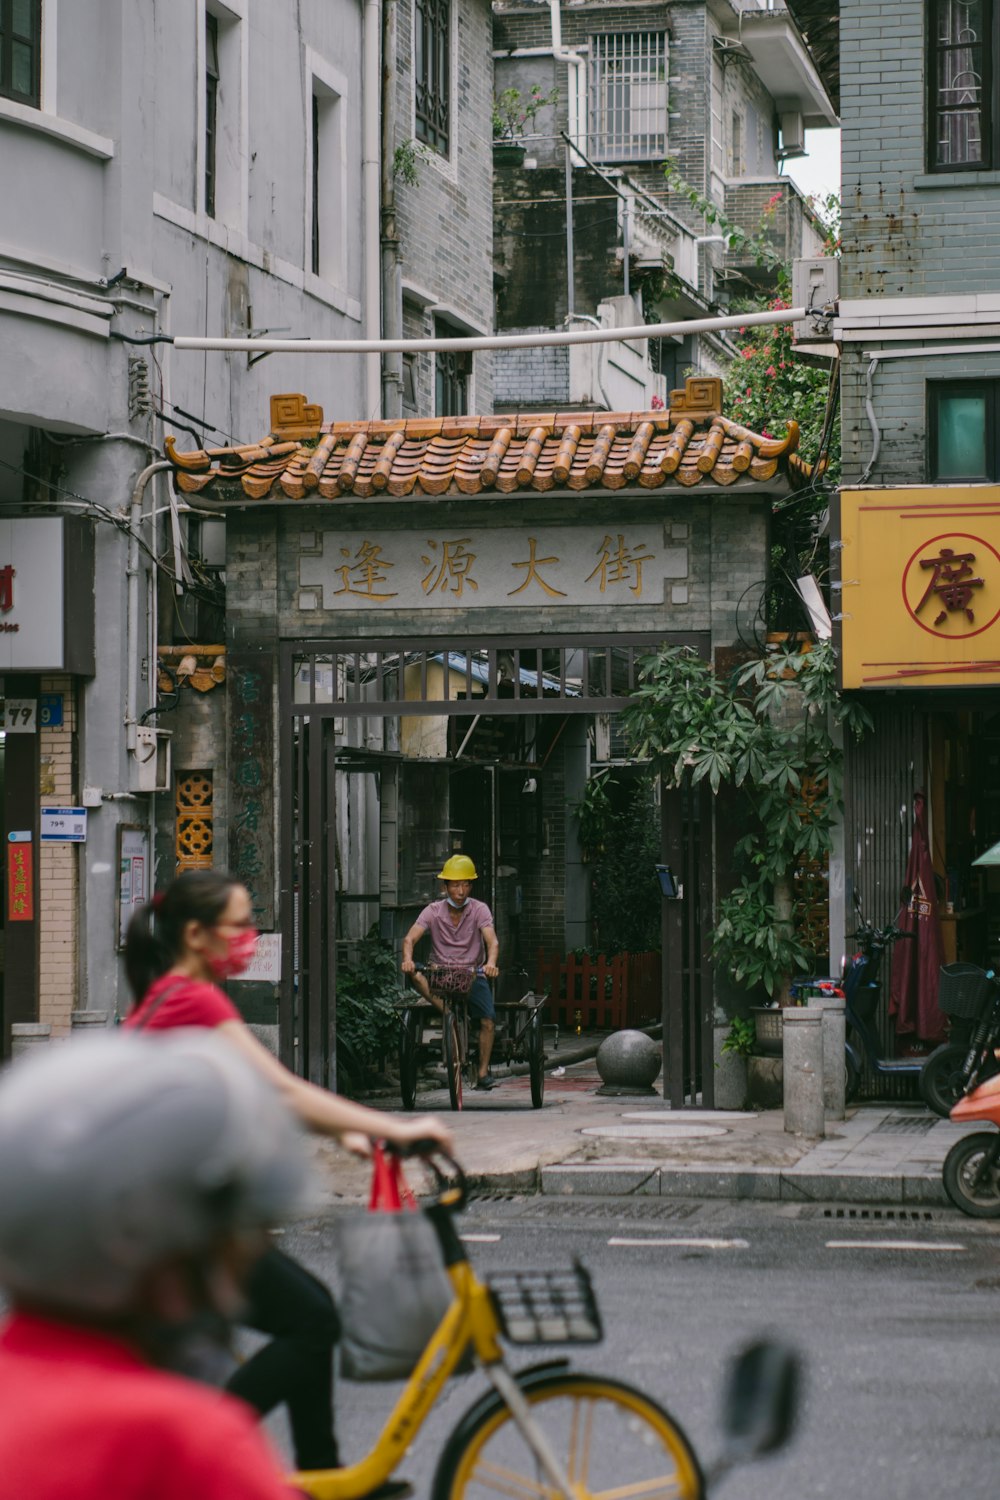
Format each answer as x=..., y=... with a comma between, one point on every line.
x=409, y=1030
x=536, y=1061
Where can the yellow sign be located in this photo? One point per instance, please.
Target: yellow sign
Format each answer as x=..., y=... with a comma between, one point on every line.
x=921, y=586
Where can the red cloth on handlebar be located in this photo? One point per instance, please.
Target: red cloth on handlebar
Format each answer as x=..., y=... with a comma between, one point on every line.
x=390, y=1190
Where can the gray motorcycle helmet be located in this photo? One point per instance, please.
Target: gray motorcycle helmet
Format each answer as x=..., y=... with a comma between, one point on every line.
x=119, y=1151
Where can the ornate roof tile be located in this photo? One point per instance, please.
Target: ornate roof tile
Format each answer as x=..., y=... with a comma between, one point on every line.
x=689, y=444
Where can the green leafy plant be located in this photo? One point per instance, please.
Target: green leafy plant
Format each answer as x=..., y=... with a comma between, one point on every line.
x=737, y=238
x=766, y=386
x=767, y=730
x=367, y=1018
x=619, y=838
x=593, y=814
x=741, y=1038
x=407, y=159
x=514, y=113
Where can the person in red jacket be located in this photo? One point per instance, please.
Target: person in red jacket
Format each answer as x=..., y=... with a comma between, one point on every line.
x=136, y=1182
x=197, y=933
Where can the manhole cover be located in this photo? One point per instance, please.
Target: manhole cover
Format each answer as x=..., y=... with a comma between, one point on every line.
x=653, y=1132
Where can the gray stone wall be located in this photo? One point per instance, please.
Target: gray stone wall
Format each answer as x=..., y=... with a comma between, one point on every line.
x=445, y=223
x=906, y=233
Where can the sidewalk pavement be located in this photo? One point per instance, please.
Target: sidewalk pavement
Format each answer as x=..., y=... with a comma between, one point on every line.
x=582, y=1144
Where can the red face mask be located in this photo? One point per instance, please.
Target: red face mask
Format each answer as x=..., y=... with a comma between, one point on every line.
x=238, y=955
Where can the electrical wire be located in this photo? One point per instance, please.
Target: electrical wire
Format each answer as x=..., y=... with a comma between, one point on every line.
x=102, y=513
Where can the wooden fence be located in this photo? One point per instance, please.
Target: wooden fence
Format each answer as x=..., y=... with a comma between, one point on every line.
x=609, y=993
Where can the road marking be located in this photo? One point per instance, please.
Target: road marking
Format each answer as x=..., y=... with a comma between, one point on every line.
x=480, y=1239
x=682, y=1244
x=892, y=1245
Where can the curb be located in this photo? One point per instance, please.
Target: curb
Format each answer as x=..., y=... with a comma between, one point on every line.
x=763, y=1184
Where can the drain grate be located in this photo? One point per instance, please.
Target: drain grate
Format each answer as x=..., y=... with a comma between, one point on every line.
x=905, y=1125
x=894, y=1215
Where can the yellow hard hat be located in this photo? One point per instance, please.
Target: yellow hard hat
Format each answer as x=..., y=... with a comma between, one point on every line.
x=458, y=867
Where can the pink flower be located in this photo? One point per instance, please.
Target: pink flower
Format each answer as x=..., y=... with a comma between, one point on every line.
x=764, y=432
x=741, y=330
x=772, y=201
x=656, y=404
x=749, y=390
x=771, y=371
x=748, y=352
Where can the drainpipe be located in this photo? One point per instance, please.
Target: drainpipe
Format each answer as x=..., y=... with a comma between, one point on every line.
x=371, y=183
x=132, y=575
x=392, y=311
x=576, y=66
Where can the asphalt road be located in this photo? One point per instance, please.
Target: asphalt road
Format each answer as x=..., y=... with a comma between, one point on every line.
x=896, y=1314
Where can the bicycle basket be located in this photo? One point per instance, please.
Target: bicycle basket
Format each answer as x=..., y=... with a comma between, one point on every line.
x=963, y=990
x=547, y=1307
x=445, y=981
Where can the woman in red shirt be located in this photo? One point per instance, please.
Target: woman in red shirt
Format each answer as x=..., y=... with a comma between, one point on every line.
x=196, y=933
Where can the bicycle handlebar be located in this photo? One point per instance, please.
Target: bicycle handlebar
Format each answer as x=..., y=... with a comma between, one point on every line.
x=452, y=1189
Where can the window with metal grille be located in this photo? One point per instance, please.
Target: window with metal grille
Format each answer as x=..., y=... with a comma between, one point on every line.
x=211, y=108
x=431, y=44
x=452, y=372
x=961, y=42
x=628, y=96
x=736, y=144
x=20, y=50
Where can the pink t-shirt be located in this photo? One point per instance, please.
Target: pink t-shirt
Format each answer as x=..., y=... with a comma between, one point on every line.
x=184, y=1002
x=459, y=944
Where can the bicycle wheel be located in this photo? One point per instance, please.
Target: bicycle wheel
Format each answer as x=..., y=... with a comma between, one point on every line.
x=609, y=1437
x=536, y=1061
x=409, y=1027
x=452, y=1059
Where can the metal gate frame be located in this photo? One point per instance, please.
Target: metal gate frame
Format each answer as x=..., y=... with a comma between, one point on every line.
x=307, y=781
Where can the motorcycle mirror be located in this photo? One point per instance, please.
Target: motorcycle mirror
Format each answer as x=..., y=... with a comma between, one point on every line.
x=857, y=901
x=761, y=1398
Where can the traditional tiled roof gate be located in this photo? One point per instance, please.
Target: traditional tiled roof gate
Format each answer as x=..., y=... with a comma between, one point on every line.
x=302, y=458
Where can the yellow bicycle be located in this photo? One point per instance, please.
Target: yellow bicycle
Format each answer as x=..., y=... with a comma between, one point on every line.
x=547, y=1431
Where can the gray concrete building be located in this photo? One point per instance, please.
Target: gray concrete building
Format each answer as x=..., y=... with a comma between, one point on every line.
x=588, y=225
x=169, y=169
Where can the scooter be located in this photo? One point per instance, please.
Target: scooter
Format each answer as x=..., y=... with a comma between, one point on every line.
x=862, y=990
x=970, y=997
x=972, y=1166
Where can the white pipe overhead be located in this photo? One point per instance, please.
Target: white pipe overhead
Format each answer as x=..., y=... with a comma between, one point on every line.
x=491, y=341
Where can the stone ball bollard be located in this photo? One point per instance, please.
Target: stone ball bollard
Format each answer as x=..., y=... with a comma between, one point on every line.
x=628, y=1062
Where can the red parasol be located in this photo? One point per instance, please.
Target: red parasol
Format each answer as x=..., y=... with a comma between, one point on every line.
x=916, y=965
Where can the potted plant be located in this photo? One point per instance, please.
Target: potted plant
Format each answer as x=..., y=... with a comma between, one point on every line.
x=513, y=114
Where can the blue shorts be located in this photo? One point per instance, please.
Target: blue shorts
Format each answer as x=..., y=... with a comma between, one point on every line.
x=480, y=998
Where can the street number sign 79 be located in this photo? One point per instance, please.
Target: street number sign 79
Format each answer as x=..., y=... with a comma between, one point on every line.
x=19, y=716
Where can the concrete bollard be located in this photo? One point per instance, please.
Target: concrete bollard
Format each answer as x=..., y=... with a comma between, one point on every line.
x=834, y=1010
x=87, y=1019
x=802, y=1045
x=27, y=1034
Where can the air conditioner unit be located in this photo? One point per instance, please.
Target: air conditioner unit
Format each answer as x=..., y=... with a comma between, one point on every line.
x=815, y=283
x=150, y=766
x=793, y=135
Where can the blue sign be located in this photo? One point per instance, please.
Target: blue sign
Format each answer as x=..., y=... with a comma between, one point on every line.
x=50, y=710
